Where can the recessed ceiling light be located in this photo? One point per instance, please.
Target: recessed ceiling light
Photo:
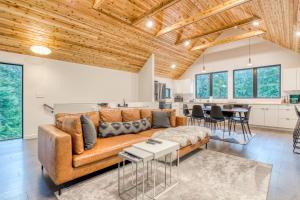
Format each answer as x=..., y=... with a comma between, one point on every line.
x=40, y=50
x=150, y=23
x=173, y=66
x=187, y=43
x=255, y=23
x=298, y=33
x=235, y=27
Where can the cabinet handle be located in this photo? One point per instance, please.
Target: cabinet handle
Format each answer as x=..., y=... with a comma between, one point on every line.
x=287, y=109
x=288, y=119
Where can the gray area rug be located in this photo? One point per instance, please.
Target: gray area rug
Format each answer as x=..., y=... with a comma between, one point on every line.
x=234, y=137
x=205, y=175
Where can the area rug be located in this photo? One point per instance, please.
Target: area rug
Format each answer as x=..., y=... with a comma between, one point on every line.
x=205, y=175
x=234, y=137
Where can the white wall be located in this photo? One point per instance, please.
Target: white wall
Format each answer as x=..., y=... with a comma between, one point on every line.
x=235, y=56
x=146, y=81
x=51, y=81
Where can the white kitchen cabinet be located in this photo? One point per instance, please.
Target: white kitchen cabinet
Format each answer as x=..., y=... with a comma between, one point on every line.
x=271, y=116
x=257, y=116
x=184, y=86
x=289, y=79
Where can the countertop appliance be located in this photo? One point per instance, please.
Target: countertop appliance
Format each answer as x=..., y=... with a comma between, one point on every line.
x=294, y=98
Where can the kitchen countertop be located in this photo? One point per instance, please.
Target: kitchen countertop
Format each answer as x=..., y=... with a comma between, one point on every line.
x=255, y=103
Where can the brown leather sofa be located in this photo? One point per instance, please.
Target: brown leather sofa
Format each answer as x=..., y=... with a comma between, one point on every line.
x=60, y=146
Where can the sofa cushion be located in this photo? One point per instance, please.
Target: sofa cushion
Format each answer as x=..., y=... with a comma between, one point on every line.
x=161, y=119
x=118, y=128
x=110, y=115
x=131, y=115
x=150, y=132
x=72, y=126
x=105, y=148
x=94, y=116
x=89, y=132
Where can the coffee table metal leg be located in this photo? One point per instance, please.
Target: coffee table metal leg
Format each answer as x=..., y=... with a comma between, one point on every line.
x=143, y=180
x=123, y=184
x=136, y=181
x=177, y=165
x=154, y=179
x=119, y=178
x=171, y=159
x=165, y=171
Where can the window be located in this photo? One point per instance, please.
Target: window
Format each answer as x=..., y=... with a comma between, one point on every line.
x=260, y=82
x=268, y=82
x=219, y=85
x=11, y=101
x=212, y=84
x=243, y=83
x=202, y=86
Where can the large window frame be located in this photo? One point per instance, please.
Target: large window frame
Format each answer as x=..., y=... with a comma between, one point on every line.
x=255, y=89
x=210, y=84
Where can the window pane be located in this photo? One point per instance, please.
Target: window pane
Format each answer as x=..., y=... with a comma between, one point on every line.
x=202, y=86
x=219, y=85
x=243, y=83
x=268, y=82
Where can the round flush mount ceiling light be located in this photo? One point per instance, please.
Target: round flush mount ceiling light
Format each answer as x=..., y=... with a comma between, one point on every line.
x=255, y=23
x=173, y=66
x=41, y=50
x=298, y=33
x=150, y=23
x=187, y=43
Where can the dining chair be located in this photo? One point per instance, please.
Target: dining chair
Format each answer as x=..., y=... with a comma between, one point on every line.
x=296, y=133
x=186, y=112
x=228, y=115
x=216, y=116
x=244, y=121
x=198, y=114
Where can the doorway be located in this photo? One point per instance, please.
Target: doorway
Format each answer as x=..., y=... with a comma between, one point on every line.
x=11, y=101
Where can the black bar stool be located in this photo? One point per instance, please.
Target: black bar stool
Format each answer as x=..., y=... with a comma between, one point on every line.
x=296, y=133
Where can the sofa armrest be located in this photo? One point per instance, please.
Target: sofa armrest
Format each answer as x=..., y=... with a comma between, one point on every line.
x=181, y=121
x=55, y=153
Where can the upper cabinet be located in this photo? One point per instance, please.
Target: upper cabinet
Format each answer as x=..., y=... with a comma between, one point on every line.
x=291, y=79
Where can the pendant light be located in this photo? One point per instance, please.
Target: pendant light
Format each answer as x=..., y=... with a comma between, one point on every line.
x=250, y=61
x=203, y=68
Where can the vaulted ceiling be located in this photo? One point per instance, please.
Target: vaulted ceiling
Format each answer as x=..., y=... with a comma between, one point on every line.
x=113, y=33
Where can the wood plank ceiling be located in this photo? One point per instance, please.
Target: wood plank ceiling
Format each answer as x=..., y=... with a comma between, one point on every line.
x=113, y=33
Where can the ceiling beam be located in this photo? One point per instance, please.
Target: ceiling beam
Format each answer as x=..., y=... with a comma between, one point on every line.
x=160, y=7
x=202, y=15
x=222, y=29
x=229, y=40
x=98, y=3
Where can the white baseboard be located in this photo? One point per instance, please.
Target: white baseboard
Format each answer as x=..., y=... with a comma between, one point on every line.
x=29, y=137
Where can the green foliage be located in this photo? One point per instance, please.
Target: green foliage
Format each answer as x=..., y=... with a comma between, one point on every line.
x=203, y=86
x=220, y=85
x=268, y=82
x=243, y=83
x=10, y=101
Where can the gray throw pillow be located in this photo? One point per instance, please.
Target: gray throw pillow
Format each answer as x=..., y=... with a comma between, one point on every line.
x=161, y=119
x=119, y=128
x=89, y=132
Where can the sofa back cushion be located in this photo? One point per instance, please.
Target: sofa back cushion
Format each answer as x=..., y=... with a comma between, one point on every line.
x=94, y=116
x=110, y=115
x=72, y=126
x=109, y=129
x=130, y=115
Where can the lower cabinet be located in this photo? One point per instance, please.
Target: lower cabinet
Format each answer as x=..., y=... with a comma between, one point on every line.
x=280, y=116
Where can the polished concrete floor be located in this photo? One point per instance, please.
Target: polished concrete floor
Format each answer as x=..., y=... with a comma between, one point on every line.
x=21, y=176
